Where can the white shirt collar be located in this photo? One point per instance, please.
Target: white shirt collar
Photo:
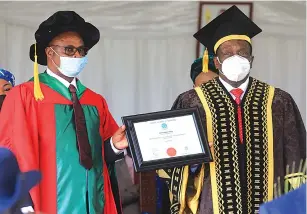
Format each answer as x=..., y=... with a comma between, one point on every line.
x=63, y=81
x=228, y=87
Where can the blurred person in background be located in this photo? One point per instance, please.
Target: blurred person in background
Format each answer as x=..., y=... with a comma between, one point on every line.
x=197, y=73
x=7, y=81
x=15, y=185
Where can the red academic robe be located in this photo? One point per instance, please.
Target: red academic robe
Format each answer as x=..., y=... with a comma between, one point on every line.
x=28, y=129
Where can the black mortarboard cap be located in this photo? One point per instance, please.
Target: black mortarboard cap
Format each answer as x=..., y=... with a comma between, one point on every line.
x=231, y=24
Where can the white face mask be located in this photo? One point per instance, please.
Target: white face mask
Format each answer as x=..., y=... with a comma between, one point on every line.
x=70, y=66
x=235, y=68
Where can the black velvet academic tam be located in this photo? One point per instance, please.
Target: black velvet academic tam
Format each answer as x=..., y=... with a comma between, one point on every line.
x=60, y=22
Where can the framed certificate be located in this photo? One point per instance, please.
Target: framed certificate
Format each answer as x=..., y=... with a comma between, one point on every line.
x=166, y=139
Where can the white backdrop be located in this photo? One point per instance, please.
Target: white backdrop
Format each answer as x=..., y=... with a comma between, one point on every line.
x=142, y=61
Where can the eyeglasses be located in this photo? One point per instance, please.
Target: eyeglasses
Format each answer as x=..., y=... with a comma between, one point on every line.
x=71, y=50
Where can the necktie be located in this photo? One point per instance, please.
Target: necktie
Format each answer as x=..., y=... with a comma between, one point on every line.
x=83, y=145
x=237, y=93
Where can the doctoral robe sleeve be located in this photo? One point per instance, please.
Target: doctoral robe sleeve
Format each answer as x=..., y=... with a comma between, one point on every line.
x=19, y=131
x=294, y=132
x=190, y=99
x=109, y=127
x=178, y=103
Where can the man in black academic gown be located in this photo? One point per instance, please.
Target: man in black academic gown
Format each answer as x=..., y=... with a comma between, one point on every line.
x=256, y=129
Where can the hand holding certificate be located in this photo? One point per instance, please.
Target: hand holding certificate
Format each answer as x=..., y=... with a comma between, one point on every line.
x=166, y=139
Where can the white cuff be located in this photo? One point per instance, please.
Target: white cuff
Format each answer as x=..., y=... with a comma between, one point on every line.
x=28, y=209
x=116, y=151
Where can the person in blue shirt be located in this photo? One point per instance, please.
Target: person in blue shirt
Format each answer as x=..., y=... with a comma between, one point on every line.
x=292, y=202
x=15, y=185
x=7, y=82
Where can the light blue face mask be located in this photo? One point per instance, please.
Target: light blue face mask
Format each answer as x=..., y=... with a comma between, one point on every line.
x=70, y=66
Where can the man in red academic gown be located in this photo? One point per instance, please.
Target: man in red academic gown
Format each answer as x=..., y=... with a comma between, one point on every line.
x=54, y=124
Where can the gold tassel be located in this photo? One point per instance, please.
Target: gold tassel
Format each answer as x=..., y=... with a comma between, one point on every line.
x=208, y=16
x=38, y=94
x=206, y=54
x=205, y=61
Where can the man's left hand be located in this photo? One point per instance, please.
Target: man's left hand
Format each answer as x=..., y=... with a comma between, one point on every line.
x=119, y=139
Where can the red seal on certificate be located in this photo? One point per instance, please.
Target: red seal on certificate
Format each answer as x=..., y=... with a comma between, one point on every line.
x=171, y=152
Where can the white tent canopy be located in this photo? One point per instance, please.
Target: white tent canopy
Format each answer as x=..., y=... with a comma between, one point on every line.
x=164, y=18
x=143, y=59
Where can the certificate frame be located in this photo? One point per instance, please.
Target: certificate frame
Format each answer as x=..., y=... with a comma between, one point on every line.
x=140, y=165
x=210, y=6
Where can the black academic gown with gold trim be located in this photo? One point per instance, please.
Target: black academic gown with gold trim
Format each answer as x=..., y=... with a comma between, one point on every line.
x=247, y=188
